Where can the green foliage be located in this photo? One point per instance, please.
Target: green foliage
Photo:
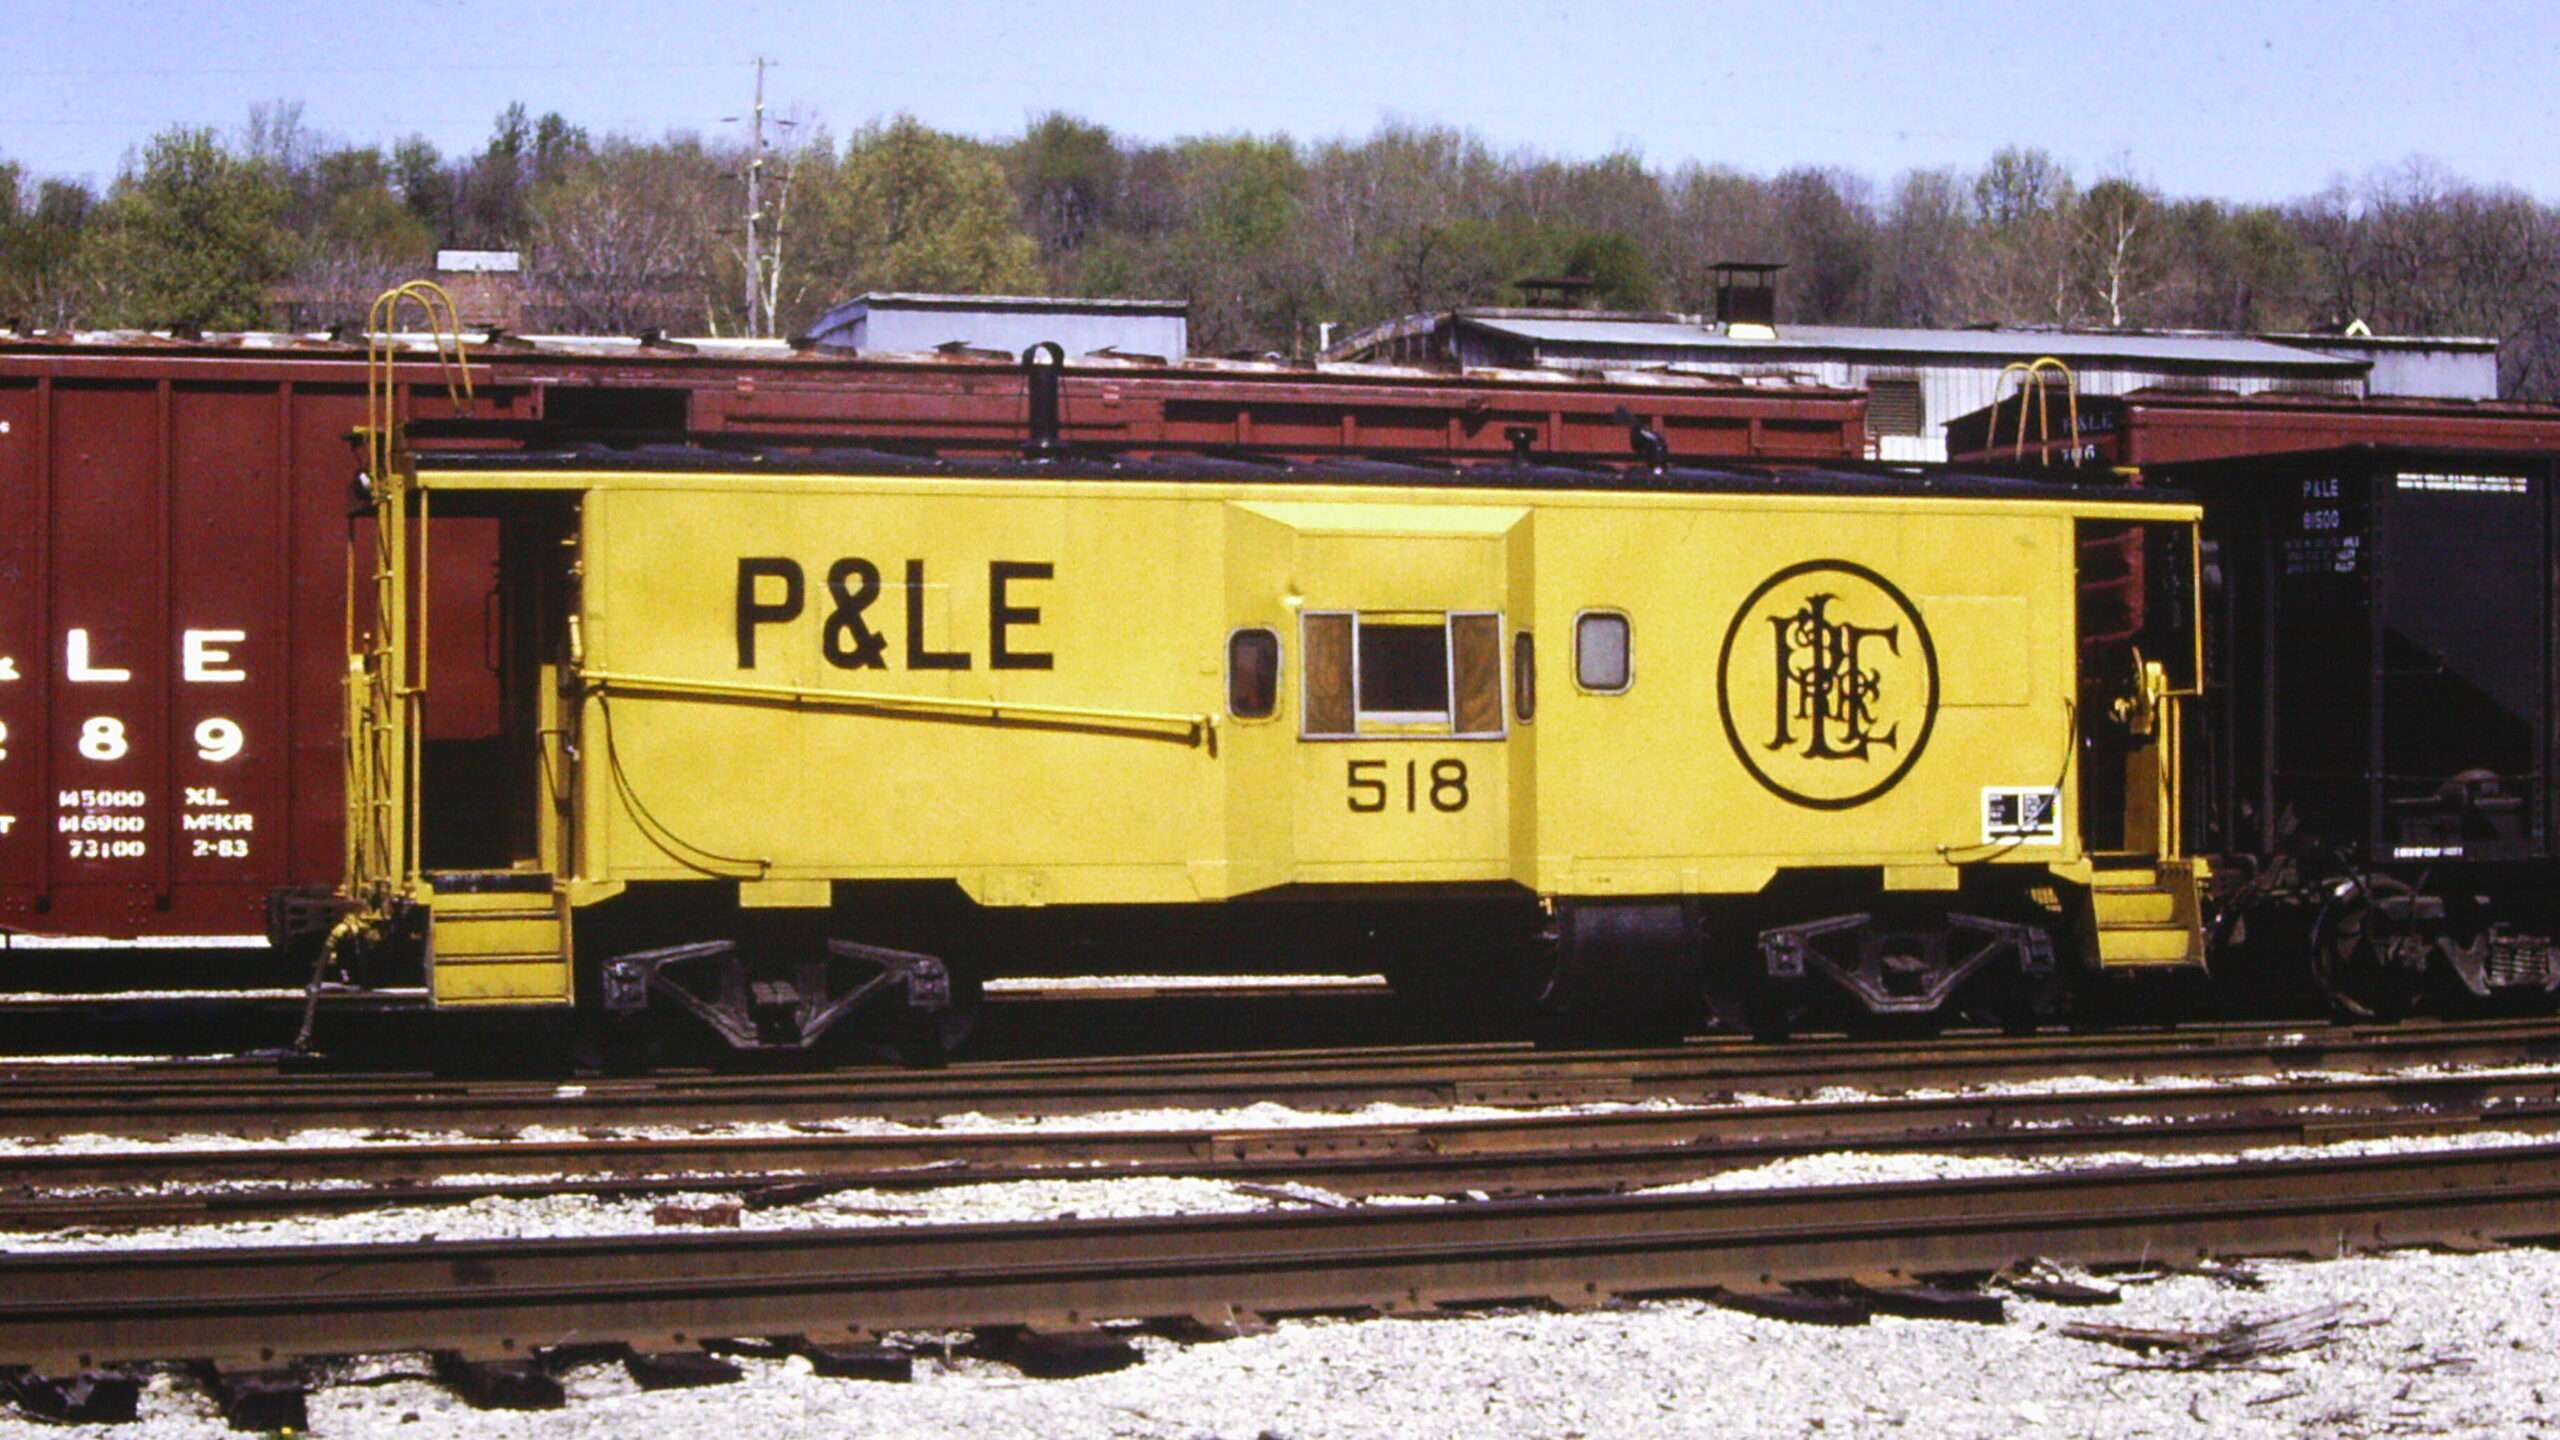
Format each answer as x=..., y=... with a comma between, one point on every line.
x=2021, y=186
x=1230, y=241
x=423, y=186
x=1241, y=192
x=1067, y=176
x=2262, y=266
x=1268, y=239
x=1437, y=264
x=910, y=208
x=494, y=192
x=42, y=282
x=1616, y=264
x=1111, y=265
x=190, y=235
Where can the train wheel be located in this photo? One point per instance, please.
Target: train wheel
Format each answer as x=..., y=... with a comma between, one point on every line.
x=2368, y=958
x=1622, y=972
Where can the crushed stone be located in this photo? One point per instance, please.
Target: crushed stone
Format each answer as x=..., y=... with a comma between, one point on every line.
x=2434, y=1345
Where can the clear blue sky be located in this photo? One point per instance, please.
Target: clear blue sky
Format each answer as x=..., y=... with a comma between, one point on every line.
x=2238, y=99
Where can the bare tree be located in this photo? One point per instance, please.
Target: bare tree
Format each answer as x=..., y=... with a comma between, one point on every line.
x=1921, y=272
x=804, y=149
x=2114, y=250
x=622, y=241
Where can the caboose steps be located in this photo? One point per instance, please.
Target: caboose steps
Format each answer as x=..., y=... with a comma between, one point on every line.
x=2145, y=945
x=497, y=938
x=2144, y=912
x=2147, y=905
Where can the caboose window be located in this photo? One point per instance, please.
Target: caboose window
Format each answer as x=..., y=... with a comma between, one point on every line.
x=1524, y=676
x=1603, y=652
x=1328, y=687
x=1403, y=674
x=1253, y=674
x=1475, y=673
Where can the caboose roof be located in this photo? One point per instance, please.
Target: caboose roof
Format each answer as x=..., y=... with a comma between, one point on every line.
x=1903, y=481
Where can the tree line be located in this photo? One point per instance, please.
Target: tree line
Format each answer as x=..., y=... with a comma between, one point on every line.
x=1267, y=237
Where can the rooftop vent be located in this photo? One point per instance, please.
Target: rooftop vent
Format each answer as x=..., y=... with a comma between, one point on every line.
x=1556, y=292
x=1747, y=298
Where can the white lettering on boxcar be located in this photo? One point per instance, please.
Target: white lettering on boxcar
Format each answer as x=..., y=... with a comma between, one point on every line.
x=77, y=669
x=218, y=739
x=85, y=826
x=101, y=799
x=209, y=810
x=204, y=662
x=102, y=738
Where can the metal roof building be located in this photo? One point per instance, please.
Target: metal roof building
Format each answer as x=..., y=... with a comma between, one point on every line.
x=2431, y=367
x=1156, y=329
x=1917, y=380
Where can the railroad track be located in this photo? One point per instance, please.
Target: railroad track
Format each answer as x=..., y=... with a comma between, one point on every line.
x=1022, y=1018
x=161, y=1100
x=258, y=1308
x=1531, y=1155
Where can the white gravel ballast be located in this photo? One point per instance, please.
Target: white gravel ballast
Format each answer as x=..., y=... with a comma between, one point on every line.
x=2431, y=1345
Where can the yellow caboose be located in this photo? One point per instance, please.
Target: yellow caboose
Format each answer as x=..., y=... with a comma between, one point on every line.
x=793, y=740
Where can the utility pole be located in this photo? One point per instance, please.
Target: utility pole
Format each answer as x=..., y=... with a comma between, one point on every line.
x=755, y=202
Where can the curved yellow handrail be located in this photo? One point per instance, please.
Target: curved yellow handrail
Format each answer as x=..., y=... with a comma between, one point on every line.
x=2029, y=373
x=441, y=318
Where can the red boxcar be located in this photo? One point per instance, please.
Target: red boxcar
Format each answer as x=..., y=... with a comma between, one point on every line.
x=2166, y=427
x=173, y=550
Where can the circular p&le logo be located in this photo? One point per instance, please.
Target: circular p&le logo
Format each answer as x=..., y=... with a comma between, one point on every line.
x=1827, y=684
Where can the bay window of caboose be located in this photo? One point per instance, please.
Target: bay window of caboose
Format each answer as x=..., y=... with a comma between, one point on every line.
x=1401, y=673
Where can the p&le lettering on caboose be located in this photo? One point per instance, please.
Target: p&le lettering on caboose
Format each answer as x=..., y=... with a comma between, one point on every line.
x=774, y=590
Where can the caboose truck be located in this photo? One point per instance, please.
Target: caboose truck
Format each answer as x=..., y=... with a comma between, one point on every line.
x=802, y=745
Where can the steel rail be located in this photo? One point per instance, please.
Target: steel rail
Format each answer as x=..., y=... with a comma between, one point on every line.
x=2293, y=1038
x=2132, y=1116
x=155, y=1105
x=79, y=1311
x=1544, y=1155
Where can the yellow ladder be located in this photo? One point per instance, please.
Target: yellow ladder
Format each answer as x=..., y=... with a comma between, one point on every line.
x=386, y=674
